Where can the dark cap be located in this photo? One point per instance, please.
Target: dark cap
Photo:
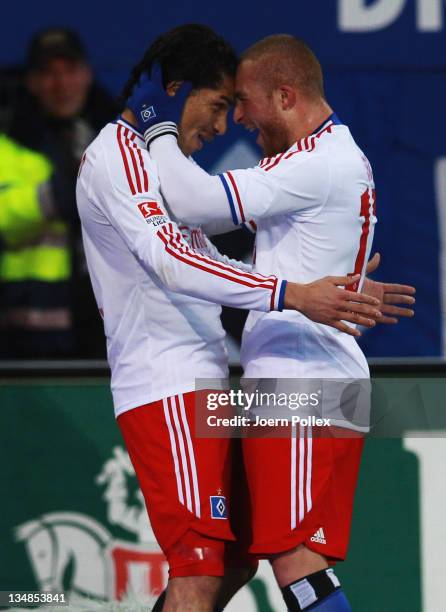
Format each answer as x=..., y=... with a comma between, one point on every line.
x=55, y=42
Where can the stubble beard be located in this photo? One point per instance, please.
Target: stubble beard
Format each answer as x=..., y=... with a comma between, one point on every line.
x=275, y=139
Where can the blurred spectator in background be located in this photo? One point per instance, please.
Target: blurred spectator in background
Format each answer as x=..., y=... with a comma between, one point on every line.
x=46, y=302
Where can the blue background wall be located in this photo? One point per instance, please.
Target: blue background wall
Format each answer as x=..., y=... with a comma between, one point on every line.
x=388, y=83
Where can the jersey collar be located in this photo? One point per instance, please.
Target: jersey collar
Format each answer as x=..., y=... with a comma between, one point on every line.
x=131, y=127
x=332, y=119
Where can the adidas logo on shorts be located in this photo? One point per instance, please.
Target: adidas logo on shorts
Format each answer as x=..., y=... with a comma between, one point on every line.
x=319, y=537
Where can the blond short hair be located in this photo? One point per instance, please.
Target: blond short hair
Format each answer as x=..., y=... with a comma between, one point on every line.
x=285, y=59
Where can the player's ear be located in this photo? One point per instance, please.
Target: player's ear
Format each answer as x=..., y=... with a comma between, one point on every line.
x=287, y=97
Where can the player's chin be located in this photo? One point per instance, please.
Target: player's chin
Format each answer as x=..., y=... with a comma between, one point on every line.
x=196, y=144
x=266, y=147
x=260, y=142
x=191, y=146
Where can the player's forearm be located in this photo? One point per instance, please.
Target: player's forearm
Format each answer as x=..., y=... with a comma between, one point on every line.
x=183, y=270
x=193, y=195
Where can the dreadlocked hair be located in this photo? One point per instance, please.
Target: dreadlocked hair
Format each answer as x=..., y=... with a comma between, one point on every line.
x=191, y=52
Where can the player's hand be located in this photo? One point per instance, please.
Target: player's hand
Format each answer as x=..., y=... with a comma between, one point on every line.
x=395, y=300
x=156, y=112
x=325, y=302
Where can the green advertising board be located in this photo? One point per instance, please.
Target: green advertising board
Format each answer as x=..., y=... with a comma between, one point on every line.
x=73, y=519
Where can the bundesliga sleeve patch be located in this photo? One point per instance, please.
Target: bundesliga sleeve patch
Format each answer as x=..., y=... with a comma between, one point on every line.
x=152, y=213
x=218, y=507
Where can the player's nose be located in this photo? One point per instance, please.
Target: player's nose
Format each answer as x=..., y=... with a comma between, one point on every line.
x=238, y=113
x=221, y=125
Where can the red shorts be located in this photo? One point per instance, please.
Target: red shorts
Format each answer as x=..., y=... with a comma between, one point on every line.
x=301, y=490
x=185, y=481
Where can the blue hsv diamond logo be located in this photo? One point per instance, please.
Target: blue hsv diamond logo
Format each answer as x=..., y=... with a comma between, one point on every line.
x=148, y=113
x=218, y=507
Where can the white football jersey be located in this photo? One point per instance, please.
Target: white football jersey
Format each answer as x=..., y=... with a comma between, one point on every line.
x=158, y=286
x=314, y=207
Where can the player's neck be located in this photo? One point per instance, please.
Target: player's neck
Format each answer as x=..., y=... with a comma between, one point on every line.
x=129, y=117
x=309, y=120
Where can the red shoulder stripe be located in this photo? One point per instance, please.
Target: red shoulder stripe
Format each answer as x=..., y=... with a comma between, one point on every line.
x=133, y=158
x=124, y=159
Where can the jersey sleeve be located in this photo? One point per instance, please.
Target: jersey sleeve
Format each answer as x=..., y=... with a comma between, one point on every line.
x=298, y=185
x=293, y=184
x=136, y=212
